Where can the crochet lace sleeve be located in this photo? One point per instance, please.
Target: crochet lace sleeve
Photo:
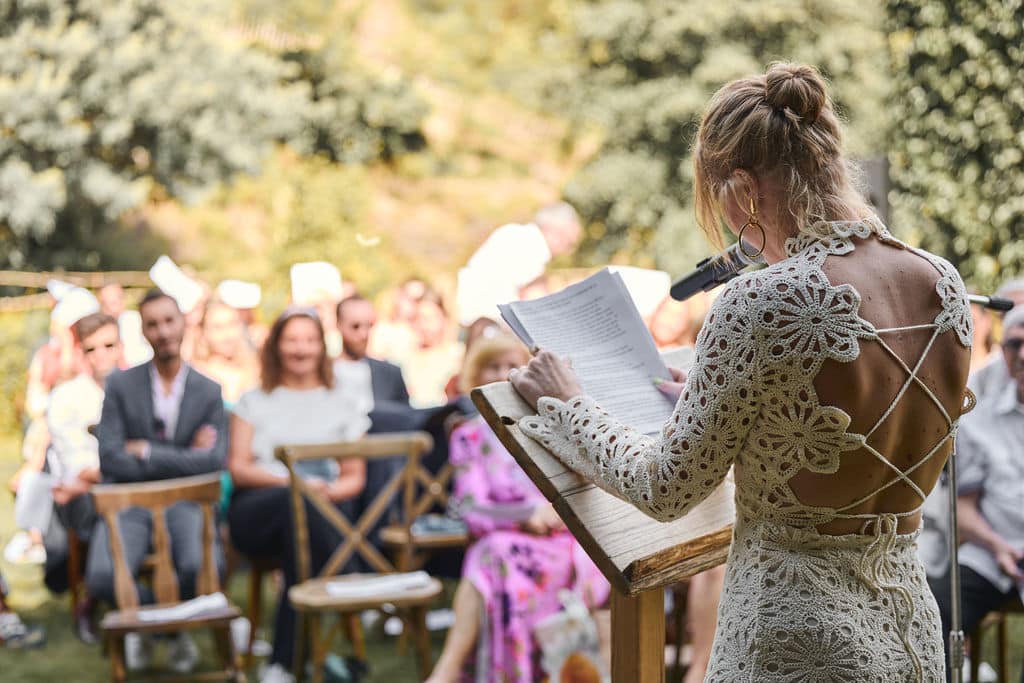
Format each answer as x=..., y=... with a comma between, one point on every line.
x=668, y=475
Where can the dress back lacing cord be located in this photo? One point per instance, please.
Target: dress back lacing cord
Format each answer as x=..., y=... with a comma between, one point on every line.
x=883, y=526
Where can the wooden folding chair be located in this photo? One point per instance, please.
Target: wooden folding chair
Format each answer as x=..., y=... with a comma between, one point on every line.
x=997, y=618
x=430, y=491
x=310, y=596
x=157, y=497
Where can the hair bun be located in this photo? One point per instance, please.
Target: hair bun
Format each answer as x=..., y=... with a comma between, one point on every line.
x=798, y=88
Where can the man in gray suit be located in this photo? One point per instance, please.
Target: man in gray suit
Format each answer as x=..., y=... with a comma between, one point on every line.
x=160, y=420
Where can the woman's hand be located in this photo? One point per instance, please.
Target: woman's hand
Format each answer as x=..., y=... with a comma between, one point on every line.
x=545, y=375
x=674, y=388
x=543, y=521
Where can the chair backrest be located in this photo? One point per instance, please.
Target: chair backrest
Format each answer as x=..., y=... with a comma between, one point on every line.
x=406, y=445
x=156, y=497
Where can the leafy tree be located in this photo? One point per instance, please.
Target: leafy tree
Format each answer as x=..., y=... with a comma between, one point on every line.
x=103, y=103
x=957, y=159
x=297, y=209
x=648, y=71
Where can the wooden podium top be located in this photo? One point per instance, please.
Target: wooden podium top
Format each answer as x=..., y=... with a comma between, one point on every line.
x=635, y=552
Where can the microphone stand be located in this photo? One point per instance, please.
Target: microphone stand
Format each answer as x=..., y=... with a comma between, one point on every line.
x=956, y=631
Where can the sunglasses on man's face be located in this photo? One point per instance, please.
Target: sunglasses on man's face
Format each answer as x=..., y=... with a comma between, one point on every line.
x=92, y=349
x=1013, y=345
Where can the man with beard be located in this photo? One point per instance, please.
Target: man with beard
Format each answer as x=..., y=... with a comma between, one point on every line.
x=160, y=420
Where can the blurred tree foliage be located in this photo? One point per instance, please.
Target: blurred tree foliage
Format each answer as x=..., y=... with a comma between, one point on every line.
x=957, y=159
x=104, y=105
x=297, y=209
x=648, y=70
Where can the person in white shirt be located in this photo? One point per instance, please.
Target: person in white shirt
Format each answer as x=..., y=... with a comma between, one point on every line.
x=299, y=402
x=512, y=257
x=135, y=348
x=990, y=463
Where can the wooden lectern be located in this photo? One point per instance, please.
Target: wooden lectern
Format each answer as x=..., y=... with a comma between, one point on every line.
x=637, y=554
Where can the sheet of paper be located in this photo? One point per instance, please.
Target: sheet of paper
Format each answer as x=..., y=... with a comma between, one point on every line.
x=386, y=583
x=185, y=610
x=596, y=325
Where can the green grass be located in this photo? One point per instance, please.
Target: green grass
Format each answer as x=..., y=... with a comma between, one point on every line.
x=65, y=659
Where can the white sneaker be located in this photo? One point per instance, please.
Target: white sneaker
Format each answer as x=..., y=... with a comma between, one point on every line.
x=17, y=547
x=183, y=655
x=276, y=673
x=138, y=651
x=240, y=629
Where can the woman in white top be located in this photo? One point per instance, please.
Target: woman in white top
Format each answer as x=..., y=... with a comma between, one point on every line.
x=298, y=402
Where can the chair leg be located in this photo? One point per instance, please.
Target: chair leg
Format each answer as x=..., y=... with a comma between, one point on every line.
x=319, y=653
x=301, y=640
x=230, y=661
x=355, y=633
x=255, y=609
x=1004, y=649
x=679, y=612
x=117, y=666
x=421, y=639
x=977, y=640
x=74, y=571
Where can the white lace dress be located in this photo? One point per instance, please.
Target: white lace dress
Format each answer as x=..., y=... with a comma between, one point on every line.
x=798, y=605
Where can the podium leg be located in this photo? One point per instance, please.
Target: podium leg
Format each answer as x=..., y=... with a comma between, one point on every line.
x=638, y=637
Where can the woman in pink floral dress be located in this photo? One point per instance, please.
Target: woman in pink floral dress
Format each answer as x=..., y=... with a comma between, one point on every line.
x=521, y=556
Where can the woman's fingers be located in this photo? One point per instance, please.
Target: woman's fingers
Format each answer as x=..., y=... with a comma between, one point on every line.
x=670, y=389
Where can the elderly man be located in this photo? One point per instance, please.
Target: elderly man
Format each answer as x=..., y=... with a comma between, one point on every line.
x=990, y=462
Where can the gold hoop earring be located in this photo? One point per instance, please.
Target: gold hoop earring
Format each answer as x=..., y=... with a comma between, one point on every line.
x=752, y=222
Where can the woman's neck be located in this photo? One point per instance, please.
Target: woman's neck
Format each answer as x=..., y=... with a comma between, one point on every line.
x=306, y=381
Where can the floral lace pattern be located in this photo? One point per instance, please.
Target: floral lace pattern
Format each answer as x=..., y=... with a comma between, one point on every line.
x=834, y=608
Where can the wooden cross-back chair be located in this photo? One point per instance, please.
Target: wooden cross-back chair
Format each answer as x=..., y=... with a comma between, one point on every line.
x=310, y=597
x=429, y=492
x=157, y=497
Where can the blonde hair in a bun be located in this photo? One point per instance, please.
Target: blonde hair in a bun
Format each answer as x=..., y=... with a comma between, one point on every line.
x=783, y=123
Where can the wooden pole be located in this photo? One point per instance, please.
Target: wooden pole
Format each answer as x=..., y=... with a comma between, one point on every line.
x=638, y=637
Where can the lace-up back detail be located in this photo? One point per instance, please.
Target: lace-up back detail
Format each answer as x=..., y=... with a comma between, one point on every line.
x=750, y=399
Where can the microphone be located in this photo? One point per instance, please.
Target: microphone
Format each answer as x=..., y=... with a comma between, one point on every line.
x=996, y=303
x=713, y=271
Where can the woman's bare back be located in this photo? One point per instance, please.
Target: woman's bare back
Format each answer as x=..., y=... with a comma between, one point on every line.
x=897, y=290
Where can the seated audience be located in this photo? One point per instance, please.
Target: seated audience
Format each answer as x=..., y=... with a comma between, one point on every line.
x=222, y=352
x=298, y=402
x=989, y=495
x=56, y=361
x=522, y=555
x=33, y=503
x=75, y=407
x=160, y=420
